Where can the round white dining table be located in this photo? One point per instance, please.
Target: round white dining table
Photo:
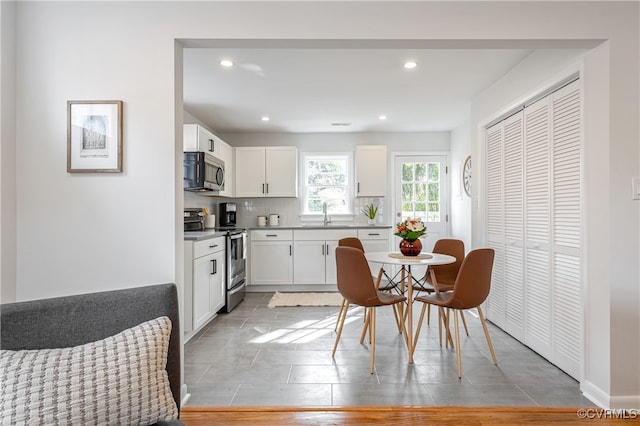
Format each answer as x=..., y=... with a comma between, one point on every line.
x=406, y=262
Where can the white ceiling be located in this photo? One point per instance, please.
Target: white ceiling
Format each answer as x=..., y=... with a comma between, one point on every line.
x=306, y=90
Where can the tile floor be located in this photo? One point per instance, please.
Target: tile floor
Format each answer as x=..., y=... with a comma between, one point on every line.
x=282, y=356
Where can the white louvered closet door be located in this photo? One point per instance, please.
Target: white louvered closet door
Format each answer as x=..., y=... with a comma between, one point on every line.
x=567, y=219
x=534, y=223
x=513, y=230
x=537, y=227
x=495, y=305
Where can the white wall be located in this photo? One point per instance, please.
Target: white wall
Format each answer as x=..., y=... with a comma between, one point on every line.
x=8, y=209
x=86, y=232
x=460, y=201
x=82, y=233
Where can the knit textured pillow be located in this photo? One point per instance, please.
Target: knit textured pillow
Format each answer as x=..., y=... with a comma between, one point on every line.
x=115, y=381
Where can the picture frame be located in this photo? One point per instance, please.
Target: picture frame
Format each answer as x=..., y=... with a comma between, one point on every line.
x=94, y=136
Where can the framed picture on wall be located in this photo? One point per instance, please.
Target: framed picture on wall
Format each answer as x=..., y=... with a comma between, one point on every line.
x=94, y=136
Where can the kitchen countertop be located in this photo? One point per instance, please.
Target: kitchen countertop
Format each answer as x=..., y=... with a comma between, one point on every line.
x=330, y=226
x=203, y=235
x=212, y=233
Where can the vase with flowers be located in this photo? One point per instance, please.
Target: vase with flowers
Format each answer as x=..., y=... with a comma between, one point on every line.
x=410, y=231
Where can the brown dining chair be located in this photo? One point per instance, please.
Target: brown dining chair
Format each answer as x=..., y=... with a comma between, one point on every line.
x=445, y=275
x=382, y=285
x=470, y=290
x=355, y=283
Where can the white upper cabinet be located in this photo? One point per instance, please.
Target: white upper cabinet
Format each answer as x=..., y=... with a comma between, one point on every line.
x=197, y=138
x=371, y=171
x=266, y=171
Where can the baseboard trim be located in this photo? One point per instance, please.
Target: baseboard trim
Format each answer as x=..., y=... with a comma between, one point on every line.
x=185, y=395
x=604, y=400
x=594, y=394
x=626, y=401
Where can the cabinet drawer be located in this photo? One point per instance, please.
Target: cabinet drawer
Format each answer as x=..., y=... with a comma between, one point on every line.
x=373, y=234
x=204, y=247
x=322, y=234
x=272, y=235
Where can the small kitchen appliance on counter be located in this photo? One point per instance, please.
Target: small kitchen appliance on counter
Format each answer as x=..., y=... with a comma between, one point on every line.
x=274, y=219
x=228, y=214
x=193, y=219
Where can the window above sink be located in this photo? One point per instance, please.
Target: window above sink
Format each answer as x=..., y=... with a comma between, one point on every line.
x=327, y=178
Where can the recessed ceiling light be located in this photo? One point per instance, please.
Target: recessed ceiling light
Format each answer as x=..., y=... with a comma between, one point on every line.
x=341, y=124
x=226, y=63
x=264, y=118
x=410, y=65
x=382, y=117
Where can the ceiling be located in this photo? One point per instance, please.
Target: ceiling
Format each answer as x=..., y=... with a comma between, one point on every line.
x=339, y=90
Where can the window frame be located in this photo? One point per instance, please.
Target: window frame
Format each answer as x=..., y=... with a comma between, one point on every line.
x=349, y=186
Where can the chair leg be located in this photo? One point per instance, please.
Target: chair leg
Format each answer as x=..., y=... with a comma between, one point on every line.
x=443, y=320
x=417, y=332
x=396, y=315
x=440, y=321
x=428, y=314
x=447, y=319
x=464, y=323
x=341, y=319
x=340, y=313
x=455, y=322
x=366, y=326
x=372, y=336
x=486, y=334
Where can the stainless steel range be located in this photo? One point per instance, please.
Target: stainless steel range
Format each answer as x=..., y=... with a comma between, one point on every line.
x=236, y=266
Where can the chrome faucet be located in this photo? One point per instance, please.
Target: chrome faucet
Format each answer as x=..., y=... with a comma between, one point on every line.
x=327, y=219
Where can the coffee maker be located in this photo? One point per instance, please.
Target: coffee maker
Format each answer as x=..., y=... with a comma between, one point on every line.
x=228, y=214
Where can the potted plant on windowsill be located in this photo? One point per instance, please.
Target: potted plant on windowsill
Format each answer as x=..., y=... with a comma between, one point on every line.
x=370, y=211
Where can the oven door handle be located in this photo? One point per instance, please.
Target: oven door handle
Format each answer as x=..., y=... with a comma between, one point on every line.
x=238, y=287
x=236, y=236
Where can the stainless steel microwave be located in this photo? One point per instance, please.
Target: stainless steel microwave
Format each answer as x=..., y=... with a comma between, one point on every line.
x=203, y=172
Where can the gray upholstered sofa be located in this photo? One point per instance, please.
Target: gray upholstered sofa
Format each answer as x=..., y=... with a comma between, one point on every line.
x=76, y=320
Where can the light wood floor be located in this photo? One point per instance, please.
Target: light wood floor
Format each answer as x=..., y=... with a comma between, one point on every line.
x=400, y=416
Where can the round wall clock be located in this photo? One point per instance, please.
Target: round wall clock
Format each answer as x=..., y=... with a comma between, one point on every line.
x=466, y=176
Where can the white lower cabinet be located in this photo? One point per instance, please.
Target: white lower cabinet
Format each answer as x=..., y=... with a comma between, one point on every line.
x=374, y=240
x=204, y=282
x=314, y=262
x=314, y=255
x=271, y=257
x=305, y=256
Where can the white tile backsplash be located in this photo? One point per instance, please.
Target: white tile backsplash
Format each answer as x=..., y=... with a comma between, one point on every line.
x=288, y=208
x=250, y=208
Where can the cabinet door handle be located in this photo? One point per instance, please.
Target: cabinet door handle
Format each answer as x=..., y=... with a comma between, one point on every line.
x=323, y=249
x=290, y=250
x=213, y=246
x=358, y=188
x=267, y=188
x=271, y=235
x=213, y=266
x=211, y=145
x=327, y=250
x=263, y=188
x=373, y=234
